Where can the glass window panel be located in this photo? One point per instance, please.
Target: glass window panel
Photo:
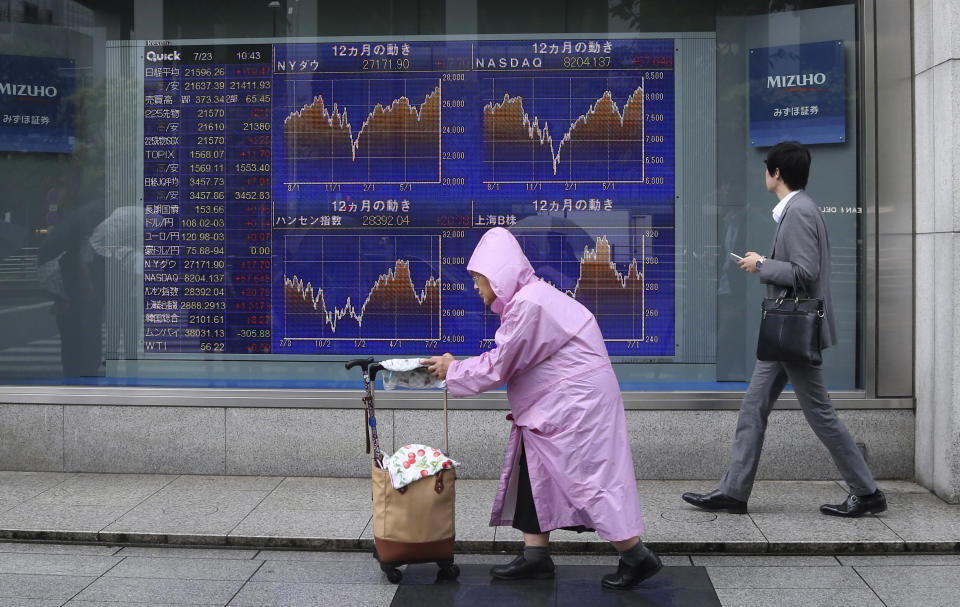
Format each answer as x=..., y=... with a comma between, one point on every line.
x=250, y=193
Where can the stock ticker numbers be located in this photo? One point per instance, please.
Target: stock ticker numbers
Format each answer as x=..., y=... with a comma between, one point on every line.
x=207, y=214
x=324, y=198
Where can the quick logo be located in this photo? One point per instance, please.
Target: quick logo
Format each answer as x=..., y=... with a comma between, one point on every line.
x=169, y=56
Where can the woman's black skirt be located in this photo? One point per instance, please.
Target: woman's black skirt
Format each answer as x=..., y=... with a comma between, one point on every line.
x=525, y=516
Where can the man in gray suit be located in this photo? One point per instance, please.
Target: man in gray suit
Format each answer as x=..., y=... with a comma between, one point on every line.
x=799, y=262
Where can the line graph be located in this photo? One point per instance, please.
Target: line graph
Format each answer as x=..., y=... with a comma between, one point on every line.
x=609, y=275
x=397, y=141
x=605, y=291
x=348, y=287
x=379, y=161
x=602, y=140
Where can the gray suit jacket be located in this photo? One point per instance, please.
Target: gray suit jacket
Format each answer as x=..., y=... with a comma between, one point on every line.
x=800, y=259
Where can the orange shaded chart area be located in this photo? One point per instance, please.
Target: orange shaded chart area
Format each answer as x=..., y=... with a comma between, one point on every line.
x=396, y=143
x=603, y=289
x=604, y=143
x=393, y=310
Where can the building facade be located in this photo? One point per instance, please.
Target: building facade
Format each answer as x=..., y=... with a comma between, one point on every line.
x=212, y=207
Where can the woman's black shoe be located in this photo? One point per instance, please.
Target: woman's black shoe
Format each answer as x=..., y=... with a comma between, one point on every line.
x=716, y=501
x=520, y=568
x=857, y=505
x=628, y=576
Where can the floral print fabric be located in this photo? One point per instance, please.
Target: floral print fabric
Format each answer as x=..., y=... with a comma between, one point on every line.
x=412, y=462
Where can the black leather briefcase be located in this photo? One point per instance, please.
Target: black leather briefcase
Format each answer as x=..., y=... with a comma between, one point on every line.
x=790, y=330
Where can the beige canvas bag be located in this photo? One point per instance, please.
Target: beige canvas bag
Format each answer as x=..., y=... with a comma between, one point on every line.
x=415, y=522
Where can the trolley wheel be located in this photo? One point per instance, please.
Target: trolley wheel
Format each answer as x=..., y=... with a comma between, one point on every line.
x=448, y=572
x=394, y=575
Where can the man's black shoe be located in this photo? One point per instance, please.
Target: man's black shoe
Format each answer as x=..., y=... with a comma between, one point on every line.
x=628, y=576
x=520, y=568
x=716, y=501
x=857, y=505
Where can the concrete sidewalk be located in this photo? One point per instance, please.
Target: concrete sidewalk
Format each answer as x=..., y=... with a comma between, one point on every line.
x=335, y=513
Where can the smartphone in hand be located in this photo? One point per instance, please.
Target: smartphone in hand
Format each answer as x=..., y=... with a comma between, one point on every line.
x=735, y=257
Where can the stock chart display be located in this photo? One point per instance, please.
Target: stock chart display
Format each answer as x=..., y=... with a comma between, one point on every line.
x=324, y=198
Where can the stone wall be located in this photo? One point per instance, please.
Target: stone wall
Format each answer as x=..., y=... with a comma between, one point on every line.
x=667, y=444
x=936, y=75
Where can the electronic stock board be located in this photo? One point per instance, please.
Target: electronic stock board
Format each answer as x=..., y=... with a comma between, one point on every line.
x=324, y=197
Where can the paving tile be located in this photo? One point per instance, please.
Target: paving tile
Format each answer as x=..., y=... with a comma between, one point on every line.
x=878, y=560
x=922, y=518
x=321, y=572
x=307, y=524
x=296, y=493
x=50, y=548
x=6, y=503
x=209, y=512
x=188, y=553
x=785, y=577
x=776, y=497
x=884, y=579
x=667, y=518
x=474, y=503
x=140, y=590
x=185, y=568
x=914, y=597
x=508, y=539
x=82, y=518
x=889, y=487
x=53, y=587
x=686, y=526
x=56, y=564
x=763, y=560
x=76, y=603
x=808, y=597
x=794, y=530
x=191, y=482
x=266, y=594
x=122, y=490
x=30, y=603
x=16, y=487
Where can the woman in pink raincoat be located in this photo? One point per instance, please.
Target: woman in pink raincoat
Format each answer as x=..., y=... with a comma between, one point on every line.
x=568, y=462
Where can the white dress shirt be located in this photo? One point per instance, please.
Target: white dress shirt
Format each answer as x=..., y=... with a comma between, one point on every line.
x=782, y=206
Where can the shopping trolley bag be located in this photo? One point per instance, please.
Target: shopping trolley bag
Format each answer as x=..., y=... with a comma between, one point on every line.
x=414, y=523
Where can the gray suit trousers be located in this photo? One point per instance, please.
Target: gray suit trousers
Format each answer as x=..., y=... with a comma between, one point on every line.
x=768, y=381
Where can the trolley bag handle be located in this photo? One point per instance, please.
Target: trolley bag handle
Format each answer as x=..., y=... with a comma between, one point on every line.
x=370, y=370
x=446, y=445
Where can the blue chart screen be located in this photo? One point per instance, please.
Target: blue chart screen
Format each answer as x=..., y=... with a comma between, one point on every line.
x=324, y=198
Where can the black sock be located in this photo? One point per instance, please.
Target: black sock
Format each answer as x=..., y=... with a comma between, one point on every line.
x=536, y=553
x=635, y=555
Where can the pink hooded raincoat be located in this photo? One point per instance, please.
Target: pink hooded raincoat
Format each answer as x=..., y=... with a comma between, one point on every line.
x=564, y=397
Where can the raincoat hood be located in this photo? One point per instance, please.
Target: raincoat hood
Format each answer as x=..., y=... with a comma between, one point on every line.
x=498, y=256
